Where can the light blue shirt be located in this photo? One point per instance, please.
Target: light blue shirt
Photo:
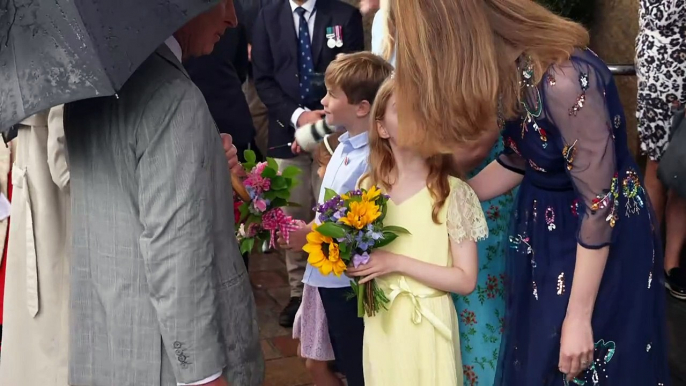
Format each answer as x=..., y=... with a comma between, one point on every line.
x=347, y=165
x=378, y=35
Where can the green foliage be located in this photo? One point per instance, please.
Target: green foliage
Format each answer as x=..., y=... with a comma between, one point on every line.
x=578, y=10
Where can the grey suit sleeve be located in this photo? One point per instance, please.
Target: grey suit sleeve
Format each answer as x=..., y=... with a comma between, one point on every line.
x=173, y=174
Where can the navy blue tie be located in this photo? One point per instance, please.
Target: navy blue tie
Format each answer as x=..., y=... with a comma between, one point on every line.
x=305, y=62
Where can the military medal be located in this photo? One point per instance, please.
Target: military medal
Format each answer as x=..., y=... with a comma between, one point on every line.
x=330, y=37
x=339, y=36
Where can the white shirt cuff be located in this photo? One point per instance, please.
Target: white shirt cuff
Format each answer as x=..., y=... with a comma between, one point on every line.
x=204, y=381
x=296, y=115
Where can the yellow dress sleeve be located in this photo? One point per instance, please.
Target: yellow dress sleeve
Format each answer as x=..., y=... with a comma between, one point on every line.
x=465, y=218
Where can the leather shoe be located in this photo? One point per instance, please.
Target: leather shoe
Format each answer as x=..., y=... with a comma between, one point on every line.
x=675, y=281
x=287, y=316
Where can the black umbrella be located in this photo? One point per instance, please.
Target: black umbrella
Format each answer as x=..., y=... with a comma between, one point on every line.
x=59, y=51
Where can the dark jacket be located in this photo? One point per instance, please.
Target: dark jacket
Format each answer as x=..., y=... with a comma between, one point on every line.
x=275, y=60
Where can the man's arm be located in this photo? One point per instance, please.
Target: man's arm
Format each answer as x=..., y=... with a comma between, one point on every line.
x=277, y=101
x=353, y=33
x=176, y=244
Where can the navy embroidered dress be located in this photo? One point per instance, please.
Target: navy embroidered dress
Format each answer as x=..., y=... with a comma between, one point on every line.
x=582, y=185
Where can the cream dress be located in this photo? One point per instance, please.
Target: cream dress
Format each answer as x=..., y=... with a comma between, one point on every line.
x=417, y=342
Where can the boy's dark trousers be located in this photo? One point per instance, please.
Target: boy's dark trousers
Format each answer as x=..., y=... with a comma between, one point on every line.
x=346, y=331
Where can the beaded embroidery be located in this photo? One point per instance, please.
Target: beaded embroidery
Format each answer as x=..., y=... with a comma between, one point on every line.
x=608, y=199
x=526, y=82
x=575, y=207
x=568, y=152
x=581, y=99
x=509, y=142
x=536, y=167
x=617, y=121
x=550, y=218
x=561, y=283
x=603, y=354
x=632, y=191
x=516, y=243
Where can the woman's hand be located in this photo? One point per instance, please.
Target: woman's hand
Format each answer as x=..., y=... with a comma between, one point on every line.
x=380, y=263
x=576, y=346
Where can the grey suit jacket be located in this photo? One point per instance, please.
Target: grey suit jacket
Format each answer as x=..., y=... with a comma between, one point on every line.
x=160, y=293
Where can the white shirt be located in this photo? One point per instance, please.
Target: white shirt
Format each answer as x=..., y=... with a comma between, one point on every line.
x=175, y=48
x=310, y=15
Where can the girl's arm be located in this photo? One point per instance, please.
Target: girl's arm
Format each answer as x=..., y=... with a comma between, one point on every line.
x=495, y=180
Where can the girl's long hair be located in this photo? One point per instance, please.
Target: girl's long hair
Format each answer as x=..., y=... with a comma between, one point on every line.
x=456, y=58
x=383, y=171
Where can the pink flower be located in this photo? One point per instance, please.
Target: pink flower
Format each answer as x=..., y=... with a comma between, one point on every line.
x=260, y=204
x=253, y=230
x=259, y=168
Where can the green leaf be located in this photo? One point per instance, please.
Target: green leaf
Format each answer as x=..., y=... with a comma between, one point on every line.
x=271, y=163
x=290, y=172
x=243, y=209
x=396, y=230
x=271, y=194
x=329, y=194
x=269, y=173
x=388, y=238
x=247, y=245
x=331, y=230
x=278, y=182
x=279, y=203
x=248, y=166
x=285, y=194
x=250, y=156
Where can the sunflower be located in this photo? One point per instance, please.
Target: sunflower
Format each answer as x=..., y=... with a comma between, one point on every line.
x=371, y=194
x=324, y=253
x=361, y=214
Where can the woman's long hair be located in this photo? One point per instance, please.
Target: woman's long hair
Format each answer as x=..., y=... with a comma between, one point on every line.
x=389, y=31
x=456, y=58
x=383, y=171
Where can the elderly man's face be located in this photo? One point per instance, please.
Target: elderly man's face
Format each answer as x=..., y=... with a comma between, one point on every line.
x=198, y=36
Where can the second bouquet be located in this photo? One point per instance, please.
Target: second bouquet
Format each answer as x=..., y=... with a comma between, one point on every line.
x=350, y=227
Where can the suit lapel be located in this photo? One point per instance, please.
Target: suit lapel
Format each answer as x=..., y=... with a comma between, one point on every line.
x=287, y=28
x=168, y=55
x=321, y=21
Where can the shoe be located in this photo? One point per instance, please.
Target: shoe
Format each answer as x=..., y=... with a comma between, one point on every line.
x=675, y=281
x=287, y=316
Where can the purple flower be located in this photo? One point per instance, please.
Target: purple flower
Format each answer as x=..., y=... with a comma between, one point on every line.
x=360, y=259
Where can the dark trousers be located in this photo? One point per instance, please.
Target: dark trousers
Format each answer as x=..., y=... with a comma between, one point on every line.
x=346, y=331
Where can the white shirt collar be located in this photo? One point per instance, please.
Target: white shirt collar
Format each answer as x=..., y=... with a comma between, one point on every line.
x=308, y=5
x=175, y=47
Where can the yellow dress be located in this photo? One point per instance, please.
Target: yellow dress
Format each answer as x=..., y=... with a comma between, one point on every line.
x=417, y=342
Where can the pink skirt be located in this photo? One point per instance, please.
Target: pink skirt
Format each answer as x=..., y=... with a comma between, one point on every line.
x=311, y=327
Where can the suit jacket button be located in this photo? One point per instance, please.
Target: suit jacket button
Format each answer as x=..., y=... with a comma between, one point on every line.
x=177, y=344
x=297, y=76
x=179, y=352
x=184, y=366
x=182, y=358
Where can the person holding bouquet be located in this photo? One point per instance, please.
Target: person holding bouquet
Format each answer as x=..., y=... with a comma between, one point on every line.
x=416, y=341
x=352, y=81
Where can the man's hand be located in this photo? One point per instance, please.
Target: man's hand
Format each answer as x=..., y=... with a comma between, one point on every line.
x=221, y=381
x=309, y=117
x=231, y=154
x=367, y=6
x=295, y=148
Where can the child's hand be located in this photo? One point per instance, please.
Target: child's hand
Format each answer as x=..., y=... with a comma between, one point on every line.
x=296, y=239
x=380, y=263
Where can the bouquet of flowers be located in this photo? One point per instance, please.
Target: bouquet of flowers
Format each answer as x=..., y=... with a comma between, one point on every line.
x=351, y=226
x=269, y=190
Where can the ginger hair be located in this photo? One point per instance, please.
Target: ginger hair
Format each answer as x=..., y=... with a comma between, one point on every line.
x=382, y=164
x=455, y=59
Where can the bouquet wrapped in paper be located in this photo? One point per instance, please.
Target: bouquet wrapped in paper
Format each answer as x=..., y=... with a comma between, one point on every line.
x=350, y=227
x=264, y=193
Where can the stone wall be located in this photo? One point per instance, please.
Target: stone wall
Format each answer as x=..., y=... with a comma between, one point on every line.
x=613, y=38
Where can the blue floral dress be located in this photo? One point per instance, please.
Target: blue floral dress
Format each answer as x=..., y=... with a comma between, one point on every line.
x=481, y=314
x=581, y=185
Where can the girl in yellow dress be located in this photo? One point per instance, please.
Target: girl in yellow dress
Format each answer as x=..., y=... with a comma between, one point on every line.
x=416, y=341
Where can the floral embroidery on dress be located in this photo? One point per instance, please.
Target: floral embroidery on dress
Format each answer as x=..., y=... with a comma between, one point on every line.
x=550, y=218
x=617, y=121
x=518, y=243
x=608, y=199
x=633, y=192
x=575, y=207
x=568, y=152
x=561, y=283
x=603, y=353
x=536, y=167
x=509, y=142
x=581, y=99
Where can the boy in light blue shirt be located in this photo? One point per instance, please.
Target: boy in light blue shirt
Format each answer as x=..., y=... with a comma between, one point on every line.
x=352, y=82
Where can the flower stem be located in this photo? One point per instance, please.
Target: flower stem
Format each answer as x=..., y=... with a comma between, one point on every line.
x=360, y=300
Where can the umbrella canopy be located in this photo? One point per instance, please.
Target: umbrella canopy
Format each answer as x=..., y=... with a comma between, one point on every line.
x=60, y=51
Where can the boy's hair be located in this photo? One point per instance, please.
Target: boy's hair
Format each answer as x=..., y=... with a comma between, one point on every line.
x=358, y=75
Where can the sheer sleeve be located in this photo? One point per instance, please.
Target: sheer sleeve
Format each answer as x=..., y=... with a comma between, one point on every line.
x=510, y=158
x=465, y=218
x=575, y=104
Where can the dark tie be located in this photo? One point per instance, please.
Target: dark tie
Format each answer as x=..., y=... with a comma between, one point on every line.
x=305, y=62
